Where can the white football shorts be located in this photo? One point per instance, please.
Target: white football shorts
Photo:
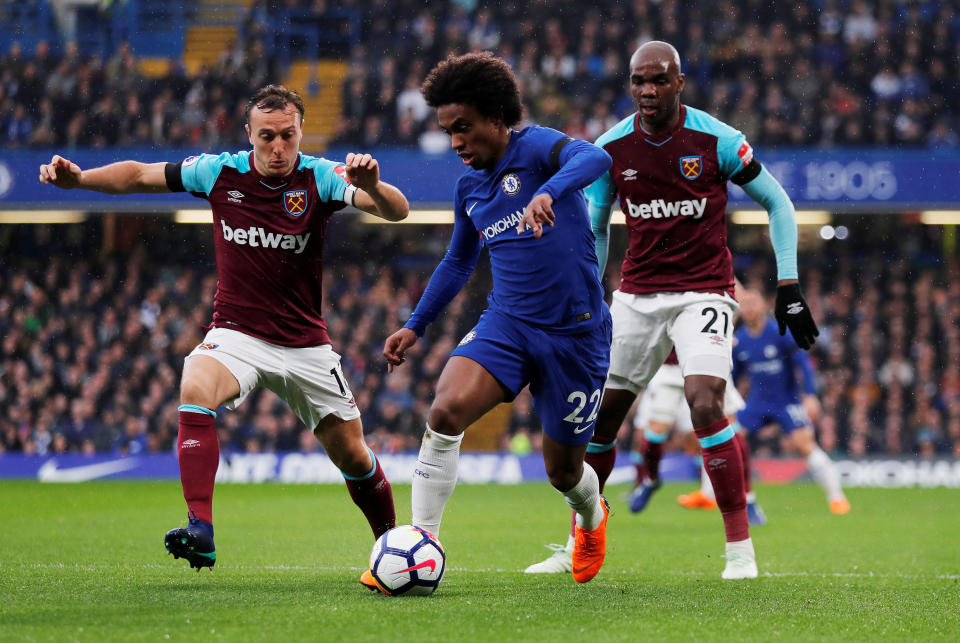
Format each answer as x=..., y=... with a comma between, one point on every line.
x=645, y=327
x=308, y=379
x=663, y=401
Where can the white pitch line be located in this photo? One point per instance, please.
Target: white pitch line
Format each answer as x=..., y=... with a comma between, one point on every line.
x=460, y=570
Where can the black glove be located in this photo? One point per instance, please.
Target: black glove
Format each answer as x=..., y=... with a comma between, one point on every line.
x=792, y=311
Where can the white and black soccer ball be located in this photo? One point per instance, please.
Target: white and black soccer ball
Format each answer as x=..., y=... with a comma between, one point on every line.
x=408, y=561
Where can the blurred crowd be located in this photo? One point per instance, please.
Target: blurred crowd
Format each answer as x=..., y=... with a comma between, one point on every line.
x=96, y=322
x=94, y=339
x=75, y=101
x=830, y=72
x=823, y=73
x=886, y=360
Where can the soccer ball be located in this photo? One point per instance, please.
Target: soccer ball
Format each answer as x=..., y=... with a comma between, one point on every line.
x=408, y=561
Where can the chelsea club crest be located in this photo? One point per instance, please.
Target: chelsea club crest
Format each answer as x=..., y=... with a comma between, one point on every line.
x=511, y=184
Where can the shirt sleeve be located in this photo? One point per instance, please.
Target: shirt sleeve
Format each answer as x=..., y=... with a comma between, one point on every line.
x=600, y=224
x=199, y=174
x=580, y=163
x=733, y=152
x=332, y=183
x=602, y=192
x=767, y=191
x=451, y=274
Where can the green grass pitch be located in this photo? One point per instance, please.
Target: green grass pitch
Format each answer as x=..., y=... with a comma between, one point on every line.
x=86, y=562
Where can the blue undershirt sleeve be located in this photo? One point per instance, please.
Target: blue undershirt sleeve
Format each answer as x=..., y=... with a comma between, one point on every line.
x=600, y=224
x=766, y=191
x=450, y=275
x=581, y=163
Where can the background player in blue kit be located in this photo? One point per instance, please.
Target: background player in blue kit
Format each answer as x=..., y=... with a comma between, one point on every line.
x=547, y=324
x=770, y=362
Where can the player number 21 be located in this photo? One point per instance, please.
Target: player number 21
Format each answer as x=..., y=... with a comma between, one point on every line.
x=709, y=328
x=580, y=399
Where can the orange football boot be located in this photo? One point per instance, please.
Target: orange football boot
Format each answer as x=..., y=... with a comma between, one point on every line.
x=840, y=507
x=368, y=581
x=590, y=548
x=696, y=500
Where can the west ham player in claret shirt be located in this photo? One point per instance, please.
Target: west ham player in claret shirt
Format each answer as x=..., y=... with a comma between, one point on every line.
x=671, y=164
x=547, y=324
x=270, y=208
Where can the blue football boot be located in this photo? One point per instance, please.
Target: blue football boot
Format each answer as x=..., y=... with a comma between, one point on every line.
x=755, y=515
x=193, y=542
x=641, y=495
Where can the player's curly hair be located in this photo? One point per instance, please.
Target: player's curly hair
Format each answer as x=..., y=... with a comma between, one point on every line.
x=273, y=97
x=480, y=80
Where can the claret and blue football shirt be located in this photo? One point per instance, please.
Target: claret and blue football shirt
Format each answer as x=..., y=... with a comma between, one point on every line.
x=673, y=193
x=268, y=237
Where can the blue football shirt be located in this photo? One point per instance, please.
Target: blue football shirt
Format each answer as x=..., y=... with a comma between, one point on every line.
x=770, y=361
x=551, y=282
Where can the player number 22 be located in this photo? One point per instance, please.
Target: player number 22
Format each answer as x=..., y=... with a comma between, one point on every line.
x=709, y=328
x=580, y=399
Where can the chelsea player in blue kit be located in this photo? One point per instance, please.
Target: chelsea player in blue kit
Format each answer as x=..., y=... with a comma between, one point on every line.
x=769, y=361
x=547, y=324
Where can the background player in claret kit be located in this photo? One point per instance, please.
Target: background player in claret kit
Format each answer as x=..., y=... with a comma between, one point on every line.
x=671, y=164
x=270, y=211
x=770, y=362
x=547, y=324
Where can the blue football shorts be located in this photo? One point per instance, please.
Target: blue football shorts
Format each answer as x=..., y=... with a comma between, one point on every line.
x=565, y=372
x=789, y=415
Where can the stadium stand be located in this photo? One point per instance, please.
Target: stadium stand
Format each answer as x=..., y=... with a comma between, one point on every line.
x=95, y=320
x=771, y=69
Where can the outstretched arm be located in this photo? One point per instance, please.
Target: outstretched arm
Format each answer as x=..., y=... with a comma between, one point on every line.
x=125, y=177
x=373, y=195
x=767, y=191
x=791, y=310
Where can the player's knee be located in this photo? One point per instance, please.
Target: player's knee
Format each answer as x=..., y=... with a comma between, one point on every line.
x=706, y=407
x=192, y=391
x=446, y=417
x=563, y=478
x=352, y=461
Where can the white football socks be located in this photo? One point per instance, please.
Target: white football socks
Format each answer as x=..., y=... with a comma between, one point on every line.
x=434, y=478
x=824, y=471
x=584, y=499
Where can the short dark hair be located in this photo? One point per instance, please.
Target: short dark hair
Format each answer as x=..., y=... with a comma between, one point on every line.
x=480, y=80
x=274, y=97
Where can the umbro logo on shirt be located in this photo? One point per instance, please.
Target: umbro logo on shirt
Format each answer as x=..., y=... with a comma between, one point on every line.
x=629, y=175
x=235, y=196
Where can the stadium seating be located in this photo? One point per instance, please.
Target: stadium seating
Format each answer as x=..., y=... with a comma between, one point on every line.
x=95, y=322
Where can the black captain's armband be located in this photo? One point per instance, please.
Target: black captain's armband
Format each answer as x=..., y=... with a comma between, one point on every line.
x=555, y=152
x=748, y=173
x=174, y=180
